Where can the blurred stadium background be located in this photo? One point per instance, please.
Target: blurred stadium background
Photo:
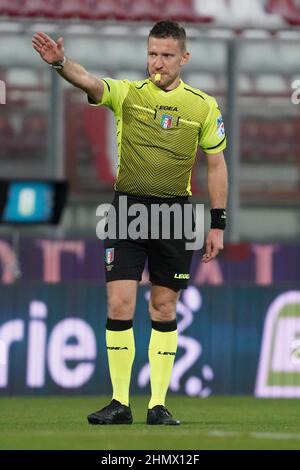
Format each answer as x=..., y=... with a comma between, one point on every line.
x=239, y=321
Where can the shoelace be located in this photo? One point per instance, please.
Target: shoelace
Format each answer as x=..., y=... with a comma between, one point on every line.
x=163, y=408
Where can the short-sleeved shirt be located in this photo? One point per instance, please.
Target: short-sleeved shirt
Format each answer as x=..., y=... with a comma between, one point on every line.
x=158, y=134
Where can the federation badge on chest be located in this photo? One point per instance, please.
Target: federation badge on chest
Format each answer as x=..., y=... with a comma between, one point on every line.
x=166, y=121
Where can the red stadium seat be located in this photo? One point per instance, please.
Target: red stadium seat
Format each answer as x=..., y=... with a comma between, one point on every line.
x=143, y=10
x=110, y=9
x=286, y=9
x=267, y=131
x=297, y=132
x=39, y=8
x=123, y=10
x=182, y=10
x=272, y=142
x=6, y=129
x=83, y=9
x=10, y=7
x=178, y=10
x=75, y=9
x=94, y=124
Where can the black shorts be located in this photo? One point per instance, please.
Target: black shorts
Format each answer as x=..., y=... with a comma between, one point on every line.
x=168, y=259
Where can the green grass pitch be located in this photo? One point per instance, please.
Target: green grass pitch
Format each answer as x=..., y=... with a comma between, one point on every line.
x=213, y=423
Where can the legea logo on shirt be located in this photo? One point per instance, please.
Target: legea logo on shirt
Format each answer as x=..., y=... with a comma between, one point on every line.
x=166, y=121
x=220, y=127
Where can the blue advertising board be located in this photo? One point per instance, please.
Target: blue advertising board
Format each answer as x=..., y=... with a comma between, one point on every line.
x=232, y=340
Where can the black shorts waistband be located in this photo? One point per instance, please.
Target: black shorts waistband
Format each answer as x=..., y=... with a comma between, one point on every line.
x=154, y=199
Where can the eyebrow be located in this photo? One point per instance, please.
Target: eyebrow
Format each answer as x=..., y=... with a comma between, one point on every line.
x=163, y=53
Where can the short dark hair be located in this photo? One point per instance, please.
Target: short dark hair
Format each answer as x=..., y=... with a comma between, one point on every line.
x=169, y=29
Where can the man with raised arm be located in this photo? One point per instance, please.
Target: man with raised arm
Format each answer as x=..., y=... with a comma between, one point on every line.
x=161, y=121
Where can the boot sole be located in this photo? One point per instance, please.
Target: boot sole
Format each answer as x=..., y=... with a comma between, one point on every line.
x=95, y=421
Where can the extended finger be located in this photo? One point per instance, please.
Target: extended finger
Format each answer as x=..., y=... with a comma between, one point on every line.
x=36, y=39
x=208, y=248
x=37, y=48
x=43, y=36
x=36, y=42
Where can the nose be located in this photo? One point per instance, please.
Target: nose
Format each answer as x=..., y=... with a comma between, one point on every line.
x=159, y=63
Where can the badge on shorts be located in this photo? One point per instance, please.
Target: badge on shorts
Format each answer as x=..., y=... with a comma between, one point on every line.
x=109, y=255
x=166, y=121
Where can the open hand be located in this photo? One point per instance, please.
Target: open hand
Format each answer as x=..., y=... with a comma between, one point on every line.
x=49, y=50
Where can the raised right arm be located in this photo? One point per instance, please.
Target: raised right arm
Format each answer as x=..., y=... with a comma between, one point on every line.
x=53, y=52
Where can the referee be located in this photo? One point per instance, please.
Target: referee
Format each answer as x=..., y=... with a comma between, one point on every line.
x=160, y=123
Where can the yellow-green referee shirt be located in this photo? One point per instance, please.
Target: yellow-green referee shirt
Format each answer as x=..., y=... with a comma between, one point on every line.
x=158, y=134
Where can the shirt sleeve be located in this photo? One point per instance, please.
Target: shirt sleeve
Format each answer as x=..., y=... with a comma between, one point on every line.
x=114, y=94
x=212, y=138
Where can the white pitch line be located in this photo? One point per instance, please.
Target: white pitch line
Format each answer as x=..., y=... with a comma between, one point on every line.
x=256, y=435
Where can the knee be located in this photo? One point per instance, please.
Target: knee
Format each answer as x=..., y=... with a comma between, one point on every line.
x=162, y=310
x=120, y=308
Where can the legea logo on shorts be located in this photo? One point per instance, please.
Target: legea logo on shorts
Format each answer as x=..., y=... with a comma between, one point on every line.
x=159, y=221
x=279, y=363
x=181, y=276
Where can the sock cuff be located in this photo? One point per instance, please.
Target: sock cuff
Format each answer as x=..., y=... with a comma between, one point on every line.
x=164, y=326
x=118, y=325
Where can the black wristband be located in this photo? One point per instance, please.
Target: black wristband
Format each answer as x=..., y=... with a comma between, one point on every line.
x=218, y=218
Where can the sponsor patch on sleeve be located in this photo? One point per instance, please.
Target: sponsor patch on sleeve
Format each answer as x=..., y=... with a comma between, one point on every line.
x=220, y=127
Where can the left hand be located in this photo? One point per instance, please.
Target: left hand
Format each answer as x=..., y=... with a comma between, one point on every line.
x=214, y=244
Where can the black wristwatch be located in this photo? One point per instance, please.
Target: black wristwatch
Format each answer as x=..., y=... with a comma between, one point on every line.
x=59, y=65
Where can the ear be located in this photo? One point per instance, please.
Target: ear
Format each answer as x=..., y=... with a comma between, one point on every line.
x=185, y=58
